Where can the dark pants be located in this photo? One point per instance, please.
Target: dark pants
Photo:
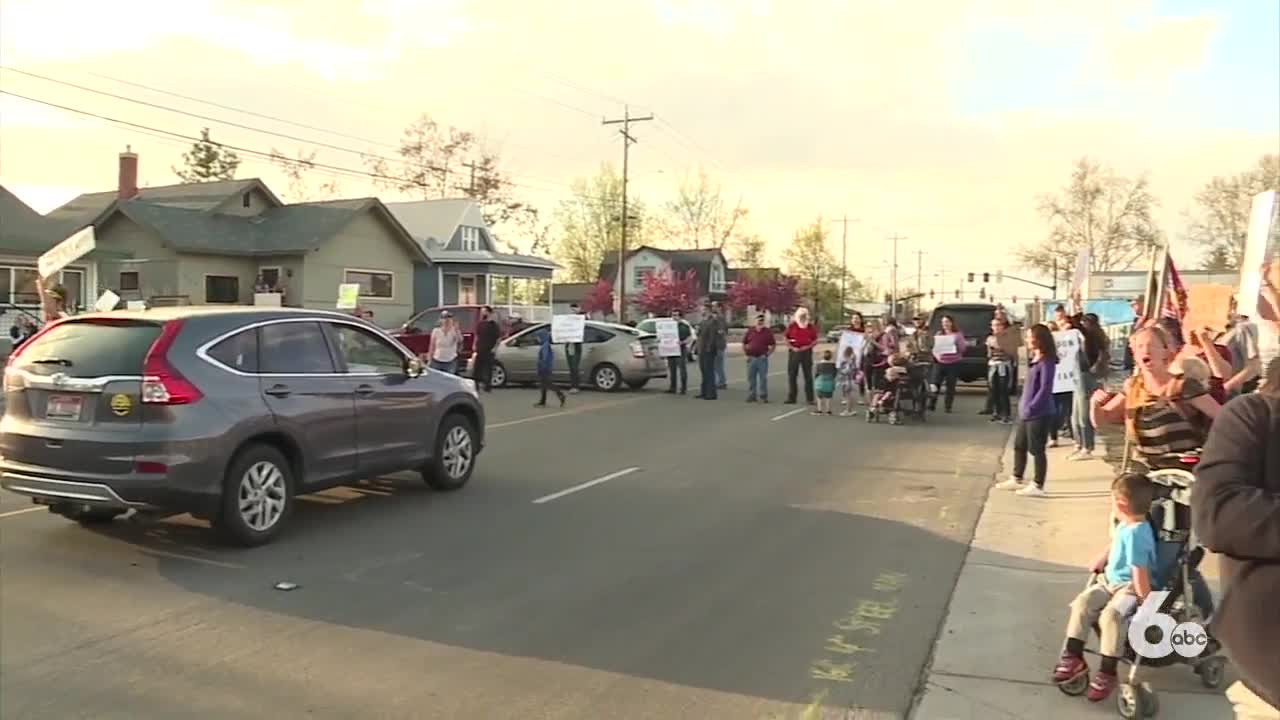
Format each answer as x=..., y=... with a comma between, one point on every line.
x=998, y=391
x=678, y=366
x=707, y=368
x=482, y=371
x=1062, y=403
x=945, y=378
x=797, y=363
x=545, y=384
x=573, y=352
x=1030, y=439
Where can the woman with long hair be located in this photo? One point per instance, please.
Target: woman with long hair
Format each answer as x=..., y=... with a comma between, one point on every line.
x=446, y=341
x=948, y=350
x=1036, y=412
x=802, y=337
x=1235, y=505
x=1164, y=414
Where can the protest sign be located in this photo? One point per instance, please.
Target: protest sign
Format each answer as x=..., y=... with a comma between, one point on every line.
x=107, y=302
x=944, y=345
x=348, y=296
x=1262, y=251
x=568, y=328
x=668, y=332
x=271, y=299
x=1080, y=280
x=136, y=305
x=66, y=252
x=1067, y=374
x=1207, y=307
x=855, y=340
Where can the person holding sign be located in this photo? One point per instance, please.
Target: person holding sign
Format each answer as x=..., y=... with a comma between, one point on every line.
x=948, y=350
x=53, y=301
x=677, y=357
x=573, y=353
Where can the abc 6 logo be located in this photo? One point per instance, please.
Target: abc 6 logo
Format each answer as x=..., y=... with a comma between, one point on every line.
x=1188, y=639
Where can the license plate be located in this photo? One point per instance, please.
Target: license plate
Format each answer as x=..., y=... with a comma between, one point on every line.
x=63, y=407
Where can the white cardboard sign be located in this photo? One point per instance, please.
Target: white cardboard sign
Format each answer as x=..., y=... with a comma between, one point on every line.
x=81, y=243
x=107, y=302
x=348, y=296
x=668, y=332
x=1067, y=373
x=568, y=328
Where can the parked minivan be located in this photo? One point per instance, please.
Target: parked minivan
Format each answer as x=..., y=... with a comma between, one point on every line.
x=225, y=413
x=974, y=320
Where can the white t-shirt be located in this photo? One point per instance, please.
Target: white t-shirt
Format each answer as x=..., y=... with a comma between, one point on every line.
x=444, y=345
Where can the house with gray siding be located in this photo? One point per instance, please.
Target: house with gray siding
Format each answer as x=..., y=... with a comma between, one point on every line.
x=710, y=270
x=227, y=242
x=466, y=267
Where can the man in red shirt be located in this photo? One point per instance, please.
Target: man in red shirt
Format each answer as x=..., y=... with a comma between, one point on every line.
x=758, y=344
x=802, y=336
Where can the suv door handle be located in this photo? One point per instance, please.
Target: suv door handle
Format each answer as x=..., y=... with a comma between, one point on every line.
x=278, y=391
x=365, y=390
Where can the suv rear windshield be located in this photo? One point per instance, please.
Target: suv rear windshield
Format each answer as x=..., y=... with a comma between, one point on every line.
x=973, y=322
x=89, y=349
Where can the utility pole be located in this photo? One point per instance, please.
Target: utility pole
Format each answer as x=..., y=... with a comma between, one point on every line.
x=471, y=186
x=627, y=141
x=893, y=282
x=844, y=260
x=919, y=278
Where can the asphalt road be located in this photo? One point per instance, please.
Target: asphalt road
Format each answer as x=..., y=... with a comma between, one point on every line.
x=731, y=563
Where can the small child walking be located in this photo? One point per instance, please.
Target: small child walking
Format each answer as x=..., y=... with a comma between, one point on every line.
x=546, y=363
x=824, y=383
x=848, y=378
x=1124, y=580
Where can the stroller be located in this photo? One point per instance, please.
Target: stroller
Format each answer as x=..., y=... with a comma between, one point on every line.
x=1178, y=554
x=906, y=397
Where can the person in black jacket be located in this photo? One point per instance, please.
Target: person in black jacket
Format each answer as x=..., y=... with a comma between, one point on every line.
x=487, y=332
x=1235, y=506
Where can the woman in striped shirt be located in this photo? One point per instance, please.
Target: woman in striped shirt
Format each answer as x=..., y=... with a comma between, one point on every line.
x=1163, y=413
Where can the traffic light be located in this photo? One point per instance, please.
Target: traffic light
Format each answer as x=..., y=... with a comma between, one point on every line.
x=986, y=278
x=1015, y=300
x=957, y=294
x=982, y=293
x=970, y=277
x=930, y=294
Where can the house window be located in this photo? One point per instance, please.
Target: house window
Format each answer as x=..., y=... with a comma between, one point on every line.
x=373, y=283
x=221, y=289
x=470, y=238
x=246, y=200
x=18, y=286
x=717, y=278
x=268, y=280
x=24, y=286
x=129, y=280
x=467, y=290
x=640, y=272
x=73, y=285
x=499, y=290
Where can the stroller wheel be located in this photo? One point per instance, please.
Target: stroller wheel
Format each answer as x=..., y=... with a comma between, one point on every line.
x=1130, y=702
x=1076, y=685
x=1211, y=672
x=871, y=415
x=1150, y=701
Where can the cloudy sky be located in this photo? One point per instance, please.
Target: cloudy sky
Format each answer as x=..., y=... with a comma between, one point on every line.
x=938, y=120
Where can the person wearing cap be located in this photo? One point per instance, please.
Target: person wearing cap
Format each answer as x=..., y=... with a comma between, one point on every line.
x=445, y=343
x=758, y=344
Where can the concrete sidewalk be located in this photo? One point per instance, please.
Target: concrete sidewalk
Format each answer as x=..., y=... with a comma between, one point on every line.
x=1004, y=627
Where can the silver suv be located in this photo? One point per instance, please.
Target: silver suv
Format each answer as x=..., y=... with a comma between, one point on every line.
x=225, y=413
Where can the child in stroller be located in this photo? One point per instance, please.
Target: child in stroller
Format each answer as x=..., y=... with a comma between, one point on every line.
x=889, y=393
x=1160, y=536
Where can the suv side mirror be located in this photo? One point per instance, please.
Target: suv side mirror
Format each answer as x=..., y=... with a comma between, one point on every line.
x=413, y=367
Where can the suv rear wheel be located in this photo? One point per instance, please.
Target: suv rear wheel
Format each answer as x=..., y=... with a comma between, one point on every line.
x=257, y=496
x=451, y=465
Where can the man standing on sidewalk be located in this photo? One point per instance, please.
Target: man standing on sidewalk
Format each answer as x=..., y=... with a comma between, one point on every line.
x=678, y=365
x=573, y=352
x=487, y=332
x=722, y=381
x=710, y=340
x=758, y=344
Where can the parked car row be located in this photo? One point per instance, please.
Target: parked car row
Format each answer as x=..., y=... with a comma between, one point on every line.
x=225, y=413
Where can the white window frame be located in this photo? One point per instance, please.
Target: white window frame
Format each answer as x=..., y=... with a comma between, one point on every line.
x=475, y=290
x=469, y=237
x=717, y=280
x=346, y=278
x=279, y=274
x=207, y=301
x=10, y=267
x=639, y=272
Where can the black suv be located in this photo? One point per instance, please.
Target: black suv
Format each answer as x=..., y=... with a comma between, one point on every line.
x=974, y=320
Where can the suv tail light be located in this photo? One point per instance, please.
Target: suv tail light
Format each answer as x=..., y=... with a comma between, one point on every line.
x=161, y=383
x=637, y=349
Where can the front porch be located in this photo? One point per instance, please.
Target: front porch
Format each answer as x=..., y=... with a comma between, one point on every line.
x=510, y=289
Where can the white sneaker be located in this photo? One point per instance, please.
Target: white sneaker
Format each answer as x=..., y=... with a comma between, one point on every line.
x=1031, y=490
x=1079, y=455
x=1053, y=443
x=1010, y=484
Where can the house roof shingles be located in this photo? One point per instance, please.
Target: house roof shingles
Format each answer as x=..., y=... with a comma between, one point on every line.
x=22, y=229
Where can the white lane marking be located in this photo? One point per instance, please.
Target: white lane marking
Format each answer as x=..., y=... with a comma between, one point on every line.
x=585, y=485
x=11, y=513
x=787, y=414
x=192, y=558
x=566, y=411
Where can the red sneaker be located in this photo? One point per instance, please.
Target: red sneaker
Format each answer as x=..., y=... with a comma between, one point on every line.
x=1101, y=686
x=1069, y=667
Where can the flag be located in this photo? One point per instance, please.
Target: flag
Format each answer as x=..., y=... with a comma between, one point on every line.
x=1175, y=292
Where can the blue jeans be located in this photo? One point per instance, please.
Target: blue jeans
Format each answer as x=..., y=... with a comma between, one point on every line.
x=450, y=367
x=758, y=377
x=721, y=380
x=1081, y=424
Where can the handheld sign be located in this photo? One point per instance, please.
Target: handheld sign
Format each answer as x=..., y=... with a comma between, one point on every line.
x=944, y=345
x=136, y=305
x=1067, y=373
x=855, y=340
x=568, y=328
x=107, y=302
x=268, y=299
x=348, y=296
x=668, y=332
x=66, y=252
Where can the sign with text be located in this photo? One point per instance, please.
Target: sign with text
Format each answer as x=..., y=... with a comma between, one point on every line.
x=568, y=328
x=668, y=332
x=944, y=345
x=1070, y=344
x=348, y=296
x=1260, y=273
x=107, y=302
x=66, y=252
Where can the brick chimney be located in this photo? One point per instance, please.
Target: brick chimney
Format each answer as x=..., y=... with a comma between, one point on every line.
x=128, y=184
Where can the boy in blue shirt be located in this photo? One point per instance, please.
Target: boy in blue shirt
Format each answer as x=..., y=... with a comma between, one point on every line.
x=1124, y=580
x=546, y=363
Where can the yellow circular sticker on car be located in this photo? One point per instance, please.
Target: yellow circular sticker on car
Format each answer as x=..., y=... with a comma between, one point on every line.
x=121, y=404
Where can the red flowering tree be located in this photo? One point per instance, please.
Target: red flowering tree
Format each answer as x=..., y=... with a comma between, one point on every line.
x=599, y=298
x=778, y=294
x=664, y=293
